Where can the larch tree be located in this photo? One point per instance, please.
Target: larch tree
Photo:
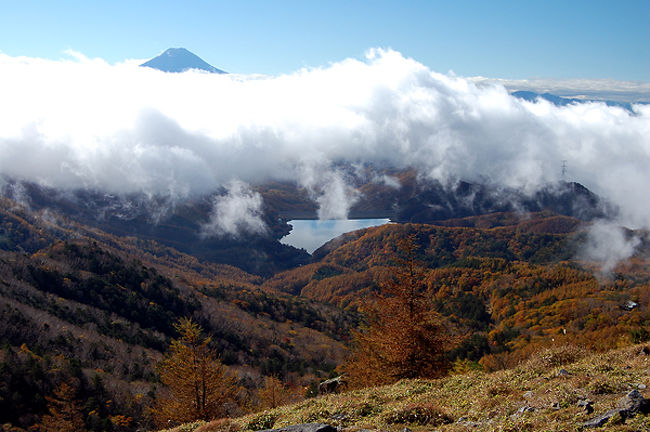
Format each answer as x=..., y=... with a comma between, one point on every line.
x=65, y=413
x=404, y=336
x=273, y=393
x=199, y=385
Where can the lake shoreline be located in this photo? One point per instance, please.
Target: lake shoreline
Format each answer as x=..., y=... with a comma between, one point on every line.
x=356, y=215
x=311, y=234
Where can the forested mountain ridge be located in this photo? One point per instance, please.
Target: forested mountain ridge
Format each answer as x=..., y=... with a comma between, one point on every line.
x=508, y=285
x=180, y=223
x=176, y=224
x=79, y=305
x=97, y=309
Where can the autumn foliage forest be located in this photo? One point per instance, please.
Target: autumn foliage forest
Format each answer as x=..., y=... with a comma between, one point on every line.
x=90, y=322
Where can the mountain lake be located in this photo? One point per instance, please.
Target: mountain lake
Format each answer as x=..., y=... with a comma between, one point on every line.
x=311, y=234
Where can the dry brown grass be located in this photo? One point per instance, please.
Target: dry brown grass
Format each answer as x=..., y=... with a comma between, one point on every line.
x=531, y=397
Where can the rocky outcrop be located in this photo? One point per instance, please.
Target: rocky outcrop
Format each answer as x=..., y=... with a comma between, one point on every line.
x=305, y=427
x=628, y=406
x=333, y=385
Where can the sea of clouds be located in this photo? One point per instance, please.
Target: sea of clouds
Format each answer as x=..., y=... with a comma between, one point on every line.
x=83, y=123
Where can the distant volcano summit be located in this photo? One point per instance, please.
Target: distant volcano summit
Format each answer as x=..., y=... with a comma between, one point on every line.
x=180, y=60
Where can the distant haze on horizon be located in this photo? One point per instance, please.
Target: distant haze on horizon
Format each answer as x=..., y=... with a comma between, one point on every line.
x=597, y=89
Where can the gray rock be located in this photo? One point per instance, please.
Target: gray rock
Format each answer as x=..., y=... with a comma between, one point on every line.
x=521, y=411
x=331, y=385
x=601, y=419
x=305, y=427
x=633, y=402
x=586, y=405
x=629, y=305
x=467, y=422
x=641, y=386
x=529, y=394
x=628, y=406
x=563, y=373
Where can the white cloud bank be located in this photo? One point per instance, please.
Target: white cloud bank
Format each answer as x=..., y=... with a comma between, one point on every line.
x=83, y=123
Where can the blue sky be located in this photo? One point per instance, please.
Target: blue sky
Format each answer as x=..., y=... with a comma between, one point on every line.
x=496, y=38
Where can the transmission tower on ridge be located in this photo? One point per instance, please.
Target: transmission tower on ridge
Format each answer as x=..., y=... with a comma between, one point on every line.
x=564, y=170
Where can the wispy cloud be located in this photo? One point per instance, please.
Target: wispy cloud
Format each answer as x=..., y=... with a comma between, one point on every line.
x=608, y=244
x=238, y=211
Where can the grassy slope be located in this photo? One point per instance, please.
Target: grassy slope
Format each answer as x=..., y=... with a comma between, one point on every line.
x=487, y=402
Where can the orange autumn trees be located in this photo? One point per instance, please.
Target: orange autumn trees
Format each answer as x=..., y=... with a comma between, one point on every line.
x=65, y=412
x=404, y=337
x=273, y=394
x=199, y=384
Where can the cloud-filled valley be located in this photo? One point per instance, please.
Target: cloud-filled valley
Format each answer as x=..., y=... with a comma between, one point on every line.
x=80, y=123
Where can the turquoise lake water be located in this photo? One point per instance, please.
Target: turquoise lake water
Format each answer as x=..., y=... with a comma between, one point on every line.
x=312, y=234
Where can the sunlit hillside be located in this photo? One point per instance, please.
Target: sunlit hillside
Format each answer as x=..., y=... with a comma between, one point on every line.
x=558, y=389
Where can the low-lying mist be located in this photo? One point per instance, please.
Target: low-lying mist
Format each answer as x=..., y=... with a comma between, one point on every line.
x=81, y=123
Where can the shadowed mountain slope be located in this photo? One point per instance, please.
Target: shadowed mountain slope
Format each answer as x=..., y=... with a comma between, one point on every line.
x=83, y=306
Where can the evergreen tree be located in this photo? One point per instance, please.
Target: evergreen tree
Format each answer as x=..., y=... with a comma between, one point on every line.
x=404, y=337
x=199, y=384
